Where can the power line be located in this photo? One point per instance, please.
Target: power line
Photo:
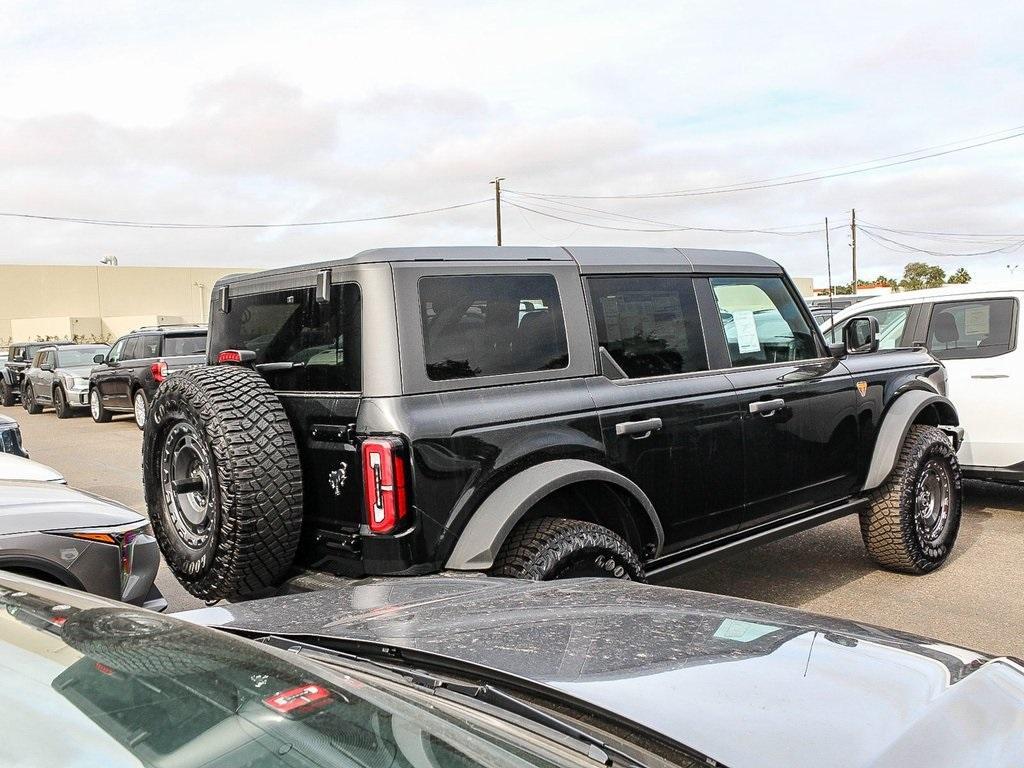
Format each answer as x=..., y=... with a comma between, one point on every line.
x=900, y=247
x=178, y=225
x=801, y=178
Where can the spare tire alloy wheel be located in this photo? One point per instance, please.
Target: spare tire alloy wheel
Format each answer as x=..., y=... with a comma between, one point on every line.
x=223, y=481
x=186, y=477
x=140, y=408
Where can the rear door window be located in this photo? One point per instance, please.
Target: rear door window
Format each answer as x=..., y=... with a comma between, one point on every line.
x=487, y=325
x=762, y=321
x=177, y=346
x=649, y=325
x=149, y=346
x=321, y=341
x=961, y=330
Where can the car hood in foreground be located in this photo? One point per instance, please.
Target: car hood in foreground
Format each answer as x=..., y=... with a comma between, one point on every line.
x=28, y=505
x=746, y=683
x=16, y=468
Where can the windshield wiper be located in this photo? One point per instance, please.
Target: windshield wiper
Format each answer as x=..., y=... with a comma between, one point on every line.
x=285, y=365
x=453, y=690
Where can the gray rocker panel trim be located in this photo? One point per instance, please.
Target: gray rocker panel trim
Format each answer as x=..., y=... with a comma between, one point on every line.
x=893, y=432
x=494, y=520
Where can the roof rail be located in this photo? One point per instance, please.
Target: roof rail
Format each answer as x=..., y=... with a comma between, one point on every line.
x=168, y=325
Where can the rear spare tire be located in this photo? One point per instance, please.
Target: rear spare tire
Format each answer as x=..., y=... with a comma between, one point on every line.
x=560, y=548
x=223, y=481
x=914, y=516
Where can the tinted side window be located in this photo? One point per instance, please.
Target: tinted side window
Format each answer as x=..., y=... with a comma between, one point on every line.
x=485, y=325
x=184, y=345
x=968, y=329
x=132, y=347
x=322, y=341
x=148, y=346
x=762, y=321
x=649, y=325
x=115, y=351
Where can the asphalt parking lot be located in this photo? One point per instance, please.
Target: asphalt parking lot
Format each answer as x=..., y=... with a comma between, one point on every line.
x=974, y=600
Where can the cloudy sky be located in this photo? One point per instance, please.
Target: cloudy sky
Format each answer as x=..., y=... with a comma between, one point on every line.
x=218, y=112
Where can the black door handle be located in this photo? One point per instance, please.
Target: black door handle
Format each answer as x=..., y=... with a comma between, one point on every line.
x=767, y=407
x=638, y=429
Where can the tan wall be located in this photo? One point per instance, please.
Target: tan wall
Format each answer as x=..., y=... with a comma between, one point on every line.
x=39, y=300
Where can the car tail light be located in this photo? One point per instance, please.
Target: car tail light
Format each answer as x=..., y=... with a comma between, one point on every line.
x=384, y=483
x=159, y=370
x=236, y=356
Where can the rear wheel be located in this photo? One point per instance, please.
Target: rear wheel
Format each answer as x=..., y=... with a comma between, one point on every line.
x=7, y=395
x=99, y=414
x=223, y=481
x=60, y=404
x=140, y=407
x=914, y=516
x=561, y=548
x=29, y=399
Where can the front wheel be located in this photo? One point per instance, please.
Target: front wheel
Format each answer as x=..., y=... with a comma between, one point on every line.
x=914, y=516
x=99, y=414
x=60, y=404
x=561, y=548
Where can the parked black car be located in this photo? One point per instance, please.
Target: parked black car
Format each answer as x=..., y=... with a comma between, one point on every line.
x=19, y=358
x=10, y=437
x=538, y=413
x=126, y=378
x=59, y=378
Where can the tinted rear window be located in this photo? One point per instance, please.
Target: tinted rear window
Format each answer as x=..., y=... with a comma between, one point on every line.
x=486, y=325
x=194, y=344
x=322, y=340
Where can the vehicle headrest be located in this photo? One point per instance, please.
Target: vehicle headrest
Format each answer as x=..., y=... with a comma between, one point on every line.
x=944, y=328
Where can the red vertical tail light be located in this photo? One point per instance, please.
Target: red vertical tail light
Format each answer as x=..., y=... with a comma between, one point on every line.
x=159, y=370
x=384, y=483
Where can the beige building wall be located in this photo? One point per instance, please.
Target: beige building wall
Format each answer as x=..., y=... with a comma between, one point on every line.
x=100, y=302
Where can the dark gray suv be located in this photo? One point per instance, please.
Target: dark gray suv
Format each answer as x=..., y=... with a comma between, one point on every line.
x=538, y=413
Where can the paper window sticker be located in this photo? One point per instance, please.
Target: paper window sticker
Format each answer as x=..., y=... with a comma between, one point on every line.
x=746, y=331
x=976, y=320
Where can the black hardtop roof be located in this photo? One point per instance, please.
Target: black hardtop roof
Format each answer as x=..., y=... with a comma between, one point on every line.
x=589, y=259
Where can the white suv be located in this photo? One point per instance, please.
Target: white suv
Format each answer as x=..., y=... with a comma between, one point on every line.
x=973, y=331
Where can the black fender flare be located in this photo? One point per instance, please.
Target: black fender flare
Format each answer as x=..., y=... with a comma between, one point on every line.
x=896, y=424
x=494, y=519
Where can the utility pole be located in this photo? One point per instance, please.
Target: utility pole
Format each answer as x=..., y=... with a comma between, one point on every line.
x=828, y=262
x=497, y=204
x=853, y=242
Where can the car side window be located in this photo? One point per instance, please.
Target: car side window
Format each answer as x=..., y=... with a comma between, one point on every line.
x=961, y=330
x=149, y=346
x=892, y=322
x=762, y=321
x=115, y=351
x=132, y=348
x=649, y=325
x=486, y=325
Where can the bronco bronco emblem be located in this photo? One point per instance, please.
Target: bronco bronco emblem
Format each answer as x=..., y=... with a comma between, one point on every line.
x=337, y=478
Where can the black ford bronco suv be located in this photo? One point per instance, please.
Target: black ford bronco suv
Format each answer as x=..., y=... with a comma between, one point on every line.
x=538, y=413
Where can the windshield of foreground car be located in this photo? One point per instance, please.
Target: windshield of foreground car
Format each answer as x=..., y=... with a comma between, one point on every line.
x=120, y=686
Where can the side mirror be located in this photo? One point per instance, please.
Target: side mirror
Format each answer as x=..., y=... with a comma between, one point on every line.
x=46, y=367
x=861, y=335
x=98, y=359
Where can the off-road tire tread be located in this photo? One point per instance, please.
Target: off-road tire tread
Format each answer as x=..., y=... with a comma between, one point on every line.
x=7, y=395
x=535, y=548
x=887, y=526
x=258, y=477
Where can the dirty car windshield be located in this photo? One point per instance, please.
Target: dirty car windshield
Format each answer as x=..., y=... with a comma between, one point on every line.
x=121, y=686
